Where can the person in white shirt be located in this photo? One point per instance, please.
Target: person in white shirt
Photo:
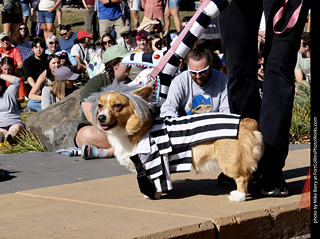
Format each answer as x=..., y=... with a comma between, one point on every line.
x=82, y=51
x=302, y=69
x=127, y=40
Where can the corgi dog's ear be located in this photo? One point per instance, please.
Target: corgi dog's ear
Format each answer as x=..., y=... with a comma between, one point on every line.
x=144, y=92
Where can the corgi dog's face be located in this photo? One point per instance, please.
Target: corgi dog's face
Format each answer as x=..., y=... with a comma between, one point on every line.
x=116, y=110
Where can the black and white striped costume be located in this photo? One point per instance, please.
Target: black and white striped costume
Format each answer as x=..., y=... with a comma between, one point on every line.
x=212, y=9
x=180, y=47
x=166, y=148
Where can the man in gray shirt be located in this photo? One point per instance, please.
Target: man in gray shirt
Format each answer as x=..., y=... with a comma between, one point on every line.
x=199, y=89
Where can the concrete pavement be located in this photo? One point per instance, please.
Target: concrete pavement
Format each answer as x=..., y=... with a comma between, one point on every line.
x=92, y=202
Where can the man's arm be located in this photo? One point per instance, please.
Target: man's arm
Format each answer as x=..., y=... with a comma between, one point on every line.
x=224, y=101
x=298, y=75
x=170, y=108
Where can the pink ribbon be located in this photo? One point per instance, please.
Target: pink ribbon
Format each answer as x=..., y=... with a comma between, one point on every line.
x=293, y=20
x=175, y=45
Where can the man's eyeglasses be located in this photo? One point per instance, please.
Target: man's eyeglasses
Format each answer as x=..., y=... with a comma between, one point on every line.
x=107, y=42
x=63, y=34
x=201, y=72
x=53, y=42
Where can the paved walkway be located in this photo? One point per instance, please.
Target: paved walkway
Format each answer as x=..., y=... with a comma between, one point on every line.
x=112, y=206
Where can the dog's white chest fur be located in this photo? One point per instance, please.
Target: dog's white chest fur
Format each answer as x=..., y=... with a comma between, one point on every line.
x=124, y=149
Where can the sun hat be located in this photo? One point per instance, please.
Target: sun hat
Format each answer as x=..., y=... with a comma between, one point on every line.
x=114, y=52
x=125, y=30
x=4, y=34
x=65, y=73
x=82, y=34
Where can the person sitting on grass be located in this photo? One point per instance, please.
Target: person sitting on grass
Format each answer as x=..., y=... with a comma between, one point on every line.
x=82, y=50
x=9, y=70
x=53, y=48
x=60, y=88
x=10, y=121
x=53, y=63
x=94, y=143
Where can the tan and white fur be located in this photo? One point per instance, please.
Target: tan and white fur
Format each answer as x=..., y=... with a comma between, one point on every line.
x=237, y=158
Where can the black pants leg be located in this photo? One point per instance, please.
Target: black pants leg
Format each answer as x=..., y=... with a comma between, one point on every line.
x=278, y=87
x=239, y=31
x=239, y=25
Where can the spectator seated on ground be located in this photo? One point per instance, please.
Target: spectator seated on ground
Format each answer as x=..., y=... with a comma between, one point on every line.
x=21, y=35
x=151, y=27
x=127, y=40
x=6, y=49
x=155, y=42
x=67, y=38
x=63, y=86
x=7, y=68
x=199, y=89
x=94, y=143
x=107, y=40
x=34, y=65
x=142, y=43
x=52, y=64
x=82, y=50
x=302, y=70
x=53, y=48
x=10, y=122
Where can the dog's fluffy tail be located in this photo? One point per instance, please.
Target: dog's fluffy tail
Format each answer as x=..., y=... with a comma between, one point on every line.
x=251, y=143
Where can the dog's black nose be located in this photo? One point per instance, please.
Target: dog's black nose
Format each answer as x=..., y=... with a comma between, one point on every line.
x=102, y=118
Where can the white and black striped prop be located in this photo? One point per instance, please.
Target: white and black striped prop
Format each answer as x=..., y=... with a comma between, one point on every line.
x=166, y=148
x=168, y=64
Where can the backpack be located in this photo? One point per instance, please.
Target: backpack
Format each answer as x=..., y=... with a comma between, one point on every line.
x=95, y=65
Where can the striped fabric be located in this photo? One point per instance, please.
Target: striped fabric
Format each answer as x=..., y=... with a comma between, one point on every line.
x=167, y=147
x=182, y=45
x=166, y=63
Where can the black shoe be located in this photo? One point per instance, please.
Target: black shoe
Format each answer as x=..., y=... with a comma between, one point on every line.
x=278, y=189
x=225, y=180
x=9, y=139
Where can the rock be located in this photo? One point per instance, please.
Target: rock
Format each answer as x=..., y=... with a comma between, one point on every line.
x=56, y=126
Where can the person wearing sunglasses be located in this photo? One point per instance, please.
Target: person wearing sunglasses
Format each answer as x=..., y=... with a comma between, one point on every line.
x=200, y=89
x=67, y=38
x=107, y=40
x=21, y=35
x=53, y=48
x=6, y=49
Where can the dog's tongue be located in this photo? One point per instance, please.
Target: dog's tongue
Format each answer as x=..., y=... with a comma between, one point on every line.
x=104, y=127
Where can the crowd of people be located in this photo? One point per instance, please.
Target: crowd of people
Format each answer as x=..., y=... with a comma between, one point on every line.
x=205, y=82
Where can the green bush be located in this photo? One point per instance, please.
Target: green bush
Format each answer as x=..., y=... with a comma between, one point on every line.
x=301, y=114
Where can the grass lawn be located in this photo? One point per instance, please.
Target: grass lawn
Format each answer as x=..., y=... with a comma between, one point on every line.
x=75, y=18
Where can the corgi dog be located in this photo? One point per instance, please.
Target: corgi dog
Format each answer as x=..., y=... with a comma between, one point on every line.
x=126, y=116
